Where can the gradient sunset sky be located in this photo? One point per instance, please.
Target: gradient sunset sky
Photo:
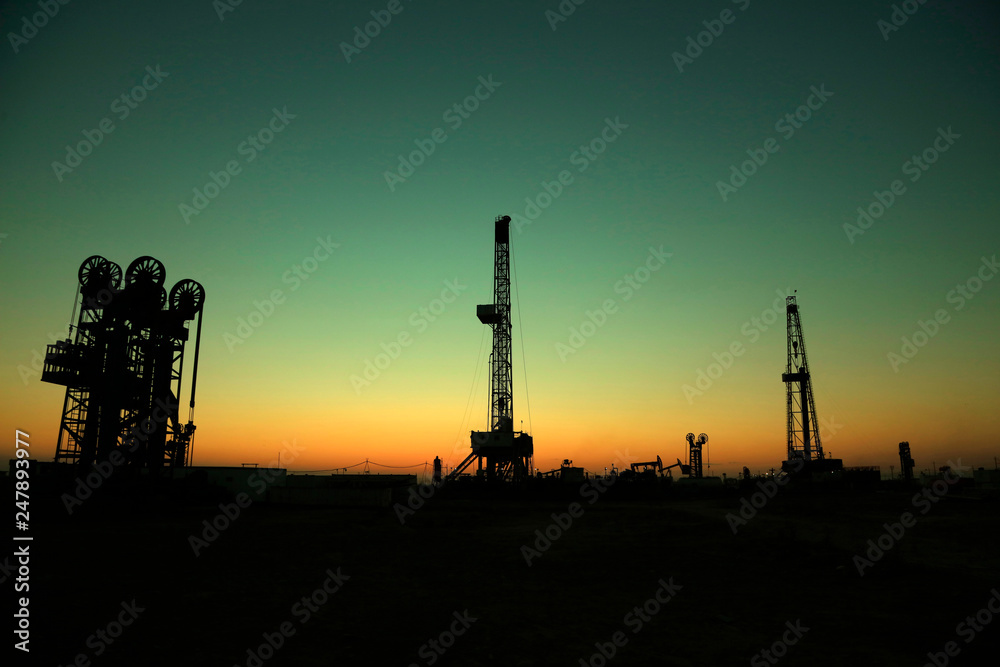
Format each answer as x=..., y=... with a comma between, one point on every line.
x=668, y=128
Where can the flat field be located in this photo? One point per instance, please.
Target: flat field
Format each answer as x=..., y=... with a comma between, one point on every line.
x=401, y=586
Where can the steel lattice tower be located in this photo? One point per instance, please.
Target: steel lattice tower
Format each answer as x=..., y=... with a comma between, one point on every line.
x=803, y=426
x=497, y=315
x=122, y=371
x=506, y=453
x=694, y=454
x=906, y=462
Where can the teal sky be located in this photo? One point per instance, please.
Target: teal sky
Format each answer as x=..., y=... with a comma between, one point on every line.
x=323, y=176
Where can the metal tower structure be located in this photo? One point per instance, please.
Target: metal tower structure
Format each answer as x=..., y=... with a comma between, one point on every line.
x=803, y=427
x=123, y=369
x=506, y=453
x=694, y=454
x=497, y=315
x=906, y=462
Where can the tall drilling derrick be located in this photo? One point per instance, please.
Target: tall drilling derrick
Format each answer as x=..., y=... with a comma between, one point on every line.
x=497, y=315
x=123, y=369
x=803, y=430
x=505, y=452
x=906, y=462
x=804, y=447
x=694, y=454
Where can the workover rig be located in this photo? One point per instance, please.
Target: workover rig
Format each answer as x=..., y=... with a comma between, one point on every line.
x=506, y=453
x=122, y=371
x=805, y=451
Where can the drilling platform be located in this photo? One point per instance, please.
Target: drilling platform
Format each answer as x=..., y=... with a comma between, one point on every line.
x=502, y=454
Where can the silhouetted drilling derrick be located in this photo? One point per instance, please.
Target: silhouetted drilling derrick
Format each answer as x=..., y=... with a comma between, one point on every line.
x=694, y=454
x=506, y=453
x=123, y=368
x=804, y=448
x=906, y=462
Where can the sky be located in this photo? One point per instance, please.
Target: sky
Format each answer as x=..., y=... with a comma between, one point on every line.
x=330, y=173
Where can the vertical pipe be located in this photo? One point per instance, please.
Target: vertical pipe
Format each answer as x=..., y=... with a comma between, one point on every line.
x=194, y=376
x=806, y=447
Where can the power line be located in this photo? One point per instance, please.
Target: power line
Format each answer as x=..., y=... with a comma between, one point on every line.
x=382, y=465
x=520, y=333
x=472, y=389
x=365, y=462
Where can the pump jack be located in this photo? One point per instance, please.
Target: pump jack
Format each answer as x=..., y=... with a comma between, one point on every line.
x=657, y=466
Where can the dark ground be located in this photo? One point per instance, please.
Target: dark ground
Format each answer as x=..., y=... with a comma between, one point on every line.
x=793, y=561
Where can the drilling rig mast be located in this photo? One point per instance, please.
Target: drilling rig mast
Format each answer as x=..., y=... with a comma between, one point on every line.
x=906, y=462
x=694, y=454
x=804, y=447
x=506, y=453
x=803, y=431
